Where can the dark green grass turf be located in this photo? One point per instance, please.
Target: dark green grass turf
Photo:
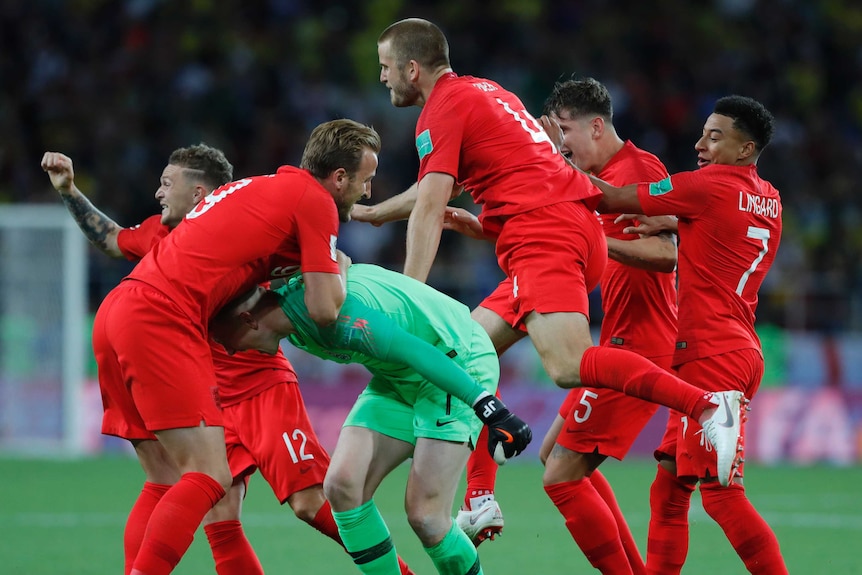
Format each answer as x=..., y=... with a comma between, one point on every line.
x=67, y=517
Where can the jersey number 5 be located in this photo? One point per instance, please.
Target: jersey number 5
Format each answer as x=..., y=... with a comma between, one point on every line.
x=761, y=234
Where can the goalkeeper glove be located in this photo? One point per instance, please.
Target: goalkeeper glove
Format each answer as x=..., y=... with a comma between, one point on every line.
x=508, y=434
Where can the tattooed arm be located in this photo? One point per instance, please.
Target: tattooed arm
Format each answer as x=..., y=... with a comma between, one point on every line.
x=98, y=228
x=652, y=253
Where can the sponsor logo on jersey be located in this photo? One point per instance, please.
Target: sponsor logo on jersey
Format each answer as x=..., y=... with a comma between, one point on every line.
x=423, y=144
x=660, y=188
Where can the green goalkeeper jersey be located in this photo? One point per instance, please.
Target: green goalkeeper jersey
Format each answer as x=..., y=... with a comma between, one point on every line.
x=398, y=328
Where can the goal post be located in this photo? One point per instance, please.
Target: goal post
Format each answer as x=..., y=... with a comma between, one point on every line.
x=43, y=331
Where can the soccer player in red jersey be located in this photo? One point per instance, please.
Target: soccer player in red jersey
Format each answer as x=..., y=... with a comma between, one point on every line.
x=266, y=423
x=639, y=303
x=472, y=134
x=150, y=337
x=729, y=229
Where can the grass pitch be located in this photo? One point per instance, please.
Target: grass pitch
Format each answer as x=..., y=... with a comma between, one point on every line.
x=67, y=517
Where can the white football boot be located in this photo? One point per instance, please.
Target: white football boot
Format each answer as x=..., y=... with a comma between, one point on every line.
x=723, y=429
x=483, y=522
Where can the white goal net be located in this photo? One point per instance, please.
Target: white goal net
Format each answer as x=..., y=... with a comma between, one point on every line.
x=43, y=323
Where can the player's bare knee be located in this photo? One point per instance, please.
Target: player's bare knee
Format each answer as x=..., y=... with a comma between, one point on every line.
x=429, y=527
x=306, y=504
x=564, y=375
x=341, y=492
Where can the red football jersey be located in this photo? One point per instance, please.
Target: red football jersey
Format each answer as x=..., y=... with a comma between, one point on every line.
x=729, y=231
x=239, y=376
x=137, y=241
x=242, y=234
x=639, y=305
x=482, y=135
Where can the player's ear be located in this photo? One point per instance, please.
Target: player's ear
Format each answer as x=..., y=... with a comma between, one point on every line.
x=248, y=319
x=748, y=150
x=597, y=127
x=413, y=69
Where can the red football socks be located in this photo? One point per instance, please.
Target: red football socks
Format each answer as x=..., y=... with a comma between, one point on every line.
x=667, y=542
x=631, y=548
x=481, y=470
x=325, y=523
x=174, y=521
x=634, y=375
x=591, y=524
x=232, y=552
x=748, y=533
x=136, y=524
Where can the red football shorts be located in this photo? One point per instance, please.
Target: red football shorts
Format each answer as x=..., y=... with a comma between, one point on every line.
x=155, y=365
x=271, y=431
x=736, y=370
x=553, y=257
x=603, y=420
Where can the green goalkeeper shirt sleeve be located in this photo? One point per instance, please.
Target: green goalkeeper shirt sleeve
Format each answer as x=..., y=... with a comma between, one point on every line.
x=362, y=334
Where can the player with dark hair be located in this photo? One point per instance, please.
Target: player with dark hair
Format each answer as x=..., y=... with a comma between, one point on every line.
x=432, y=368
x=472, y=134
x=639, y=303
x=729, y=228
x=150, y=333
x=259, y=394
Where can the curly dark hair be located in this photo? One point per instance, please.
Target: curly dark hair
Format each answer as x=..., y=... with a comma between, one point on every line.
x=749, y=117
x=586, y=96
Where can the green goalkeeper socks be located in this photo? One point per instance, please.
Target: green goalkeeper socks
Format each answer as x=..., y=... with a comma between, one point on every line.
x=366, y=538
x=455, y=554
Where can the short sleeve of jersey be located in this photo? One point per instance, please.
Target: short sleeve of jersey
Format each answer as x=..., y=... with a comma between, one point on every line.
x=317, y=232
x=439, y=135
x=685, y=194
x=136, y=242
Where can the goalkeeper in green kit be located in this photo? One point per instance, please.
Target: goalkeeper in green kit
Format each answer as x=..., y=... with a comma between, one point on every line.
x=434, y=374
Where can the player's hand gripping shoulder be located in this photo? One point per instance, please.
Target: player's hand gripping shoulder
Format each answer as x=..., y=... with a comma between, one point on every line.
x=508, y=434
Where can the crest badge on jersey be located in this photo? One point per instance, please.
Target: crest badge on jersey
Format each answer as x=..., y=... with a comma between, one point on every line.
x=423, y=144
x=660, y=188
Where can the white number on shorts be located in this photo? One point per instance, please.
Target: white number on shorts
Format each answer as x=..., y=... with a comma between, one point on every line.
x=298, y=435
x=761, y=234
x=530, y=125
x=589, y=407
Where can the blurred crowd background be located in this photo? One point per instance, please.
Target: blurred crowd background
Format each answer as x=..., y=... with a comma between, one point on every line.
x=117, y=85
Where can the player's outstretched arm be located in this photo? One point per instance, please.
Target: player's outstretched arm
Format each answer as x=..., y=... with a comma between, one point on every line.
x=649, y=225
x=389, y=210
x=464, y=222
x=652, y=253
x=426, y=223
x=98, y=228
